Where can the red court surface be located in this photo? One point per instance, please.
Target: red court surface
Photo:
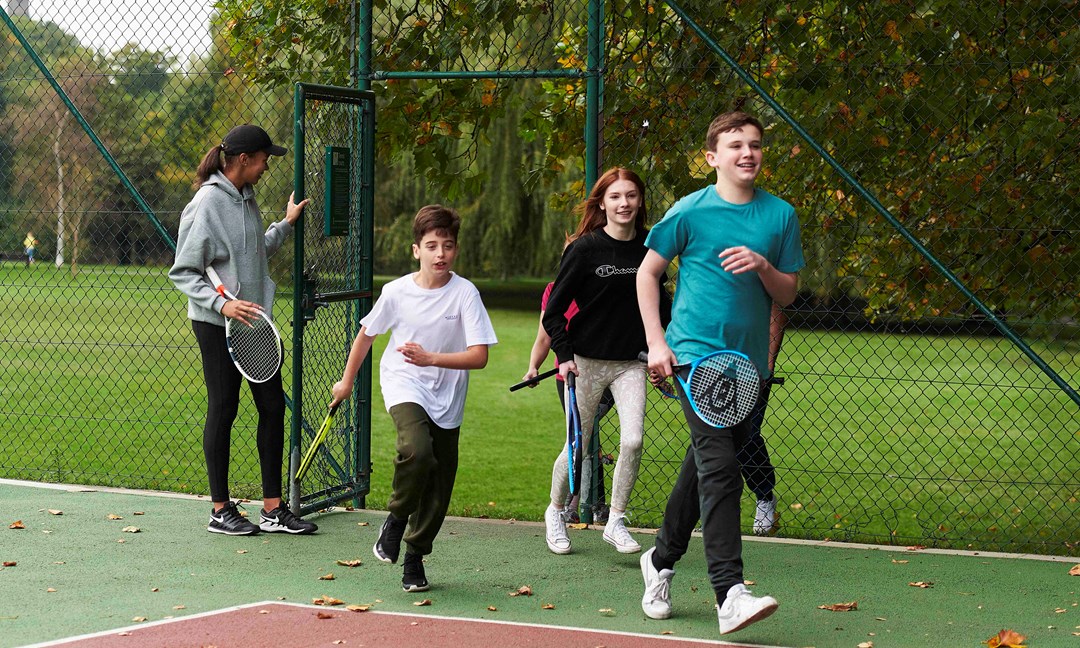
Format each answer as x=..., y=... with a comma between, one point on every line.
x=274, y=624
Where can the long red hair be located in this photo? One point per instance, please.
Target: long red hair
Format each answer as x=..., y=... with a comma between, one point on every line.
x=593, y=217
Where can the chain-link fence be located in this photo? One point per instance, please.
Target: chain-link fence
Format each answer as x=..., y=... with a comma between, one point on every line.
x=910, y=414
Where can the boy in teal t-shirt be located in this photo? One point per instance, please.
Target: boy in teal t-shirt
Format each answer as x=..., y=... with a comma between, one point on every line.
x=739, y=251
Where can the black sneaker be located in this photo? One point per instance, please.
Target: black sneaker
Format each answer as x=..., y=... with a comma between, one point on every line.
x=414, y=579
x=229, y=521
x=282, y=520
x=388, y=546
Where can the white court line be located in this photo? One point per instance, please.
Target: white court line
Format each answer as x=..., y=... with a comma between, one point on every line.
x=323, y=608
x=752, y=538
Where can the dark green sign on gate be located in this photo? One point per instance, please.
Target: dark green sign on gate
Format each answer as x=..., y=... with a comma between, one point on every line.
x=336, y=202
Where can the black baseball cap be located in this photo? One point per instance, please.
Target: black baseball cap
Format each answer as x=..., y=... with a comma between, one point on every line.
x=249, y=139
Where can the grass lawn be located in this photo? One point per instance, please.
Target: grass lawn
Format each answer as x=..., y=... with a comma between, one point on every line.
x=949, y=441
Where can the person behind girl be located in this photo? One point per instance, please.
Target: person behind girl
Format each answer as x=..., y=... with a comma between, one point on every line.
x=440, y=331
x=222, y=228
x=598, y=272
x=539, y=353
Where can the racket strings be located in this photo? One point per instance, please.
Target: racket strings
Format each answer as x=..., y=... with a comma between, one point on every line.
x=256, y=349
x=725, y=388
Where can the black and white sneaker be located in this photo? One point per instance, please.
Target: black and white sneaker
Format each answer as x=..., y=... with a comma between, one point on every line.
x=388, y=547
x=282, y=520
x=414, y=579
x=229, y=521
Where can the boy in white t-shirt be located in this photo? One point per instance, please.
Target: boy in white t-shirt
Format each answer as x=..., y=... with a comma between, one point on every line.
x=440, y=330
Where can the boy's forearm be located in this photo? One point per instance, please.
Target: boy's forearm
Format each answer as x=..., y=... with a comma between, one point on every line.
x=360, y=347
x=781, y=286
x=475, y=357
x=648, y=294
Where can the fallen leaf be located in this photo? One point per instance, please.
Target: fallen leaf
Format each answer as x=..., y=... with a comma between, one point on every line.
x=59, y=562
x=55, y=512
x=121, y=541
x=350, y=563
x=179, y=607
x=422, y=603
x=899, y=562
x=749, y=583
x=123, y=634
x=17, y=524
x=867, y=644
x=922, y=584
x=138, y=513
x=338, y=642
x=668, y=632
x=1006, y=639
x=840, y=607
x=325, y=615
x=915, y=547
x=361, y=524
x=492, y=608
x=606, y=611
x=9, y=563
x=357, y=608
x=329, y=576
x=579, y=526
x=264, y=611
x=547, y=606
x=154, y=589
x=241, y=551
x=1060, y=611
x=113, y=516
x=796, y=506
x=1075, y=571
x=524, y=590
x=327, y=600
x=51, y=589
x=138, y=619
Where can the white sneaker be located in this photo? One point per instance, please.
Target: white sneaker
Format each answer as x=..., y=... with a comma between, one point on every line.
x=765, y=517
x=557, y=540
x=741, y=608
x=656, y=603
x=616, y=535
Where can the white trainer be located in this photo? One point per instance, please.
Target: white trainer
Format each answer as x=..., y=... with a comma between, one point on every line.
x=656, y=603
x=765, y=517
x=741, y=608
x=616, y=535
x=557, y=540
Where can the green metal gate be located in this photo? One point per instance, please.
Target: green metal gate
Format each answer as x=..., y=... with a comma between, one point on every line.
x=334, y=135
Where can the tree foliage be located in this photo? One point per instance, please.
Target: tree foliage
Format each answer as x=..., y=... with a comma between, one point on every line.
x=956, y=115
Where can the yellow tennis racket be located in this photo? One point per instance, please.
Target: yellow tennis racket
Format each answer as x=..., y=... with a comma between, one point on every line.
x=320, y=436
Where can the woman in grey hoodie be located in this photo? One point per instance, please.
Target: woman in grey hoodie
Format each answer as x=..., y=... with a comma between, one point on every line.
x=222, y=227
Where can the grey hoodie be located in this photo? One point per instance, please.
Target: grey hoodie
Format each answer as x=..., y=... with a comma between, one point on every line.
x=222, y=227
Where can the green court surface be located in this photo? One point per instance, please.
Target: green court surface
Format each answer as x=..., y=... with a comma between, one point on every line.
x=78, y=572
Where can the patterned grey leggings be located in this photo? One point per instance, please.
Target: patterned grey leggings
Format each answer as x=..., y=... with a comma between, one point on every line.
x=626, y=379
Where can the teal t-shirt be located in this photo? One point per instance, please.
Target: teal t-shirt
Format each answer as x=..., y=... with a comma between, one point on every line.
x=715, y=309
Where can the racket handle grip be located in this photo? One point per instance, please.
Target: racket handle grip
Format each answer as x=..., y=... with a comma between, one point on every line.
x=570, y=379
x=333, y=410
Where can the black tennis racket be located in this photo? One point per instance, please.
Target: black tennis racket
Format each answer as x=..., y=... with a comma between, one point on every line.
x=316, y=443
x=573, y=435
x=722, y=386
x=535, y=379
x=256, y=349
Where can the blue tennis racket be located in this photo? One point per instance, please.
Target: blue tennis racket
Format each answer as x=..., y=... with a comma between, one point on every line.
x=573, y=435
x=722, y=386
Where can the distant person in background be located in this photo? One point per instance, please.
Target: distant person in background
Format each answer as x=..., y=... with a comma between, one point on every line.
x=222, y=227
x=537, y=356
x=757, y=469
x=30, y=246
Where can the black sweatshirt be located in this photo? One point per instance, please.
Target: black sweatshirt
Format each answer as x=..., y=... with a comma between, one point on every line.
x=600, y=274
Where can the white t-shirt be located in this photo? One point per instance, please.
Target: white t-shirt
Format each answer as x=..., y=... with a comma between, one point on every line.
x=444, y=320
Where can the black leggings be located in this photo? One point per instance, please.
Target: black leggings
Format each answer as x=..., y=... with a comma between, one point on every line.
x=222, y=403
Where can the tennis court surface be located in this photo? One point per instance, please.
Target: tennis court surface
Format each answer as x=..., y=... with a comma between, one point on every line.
x=94, y=567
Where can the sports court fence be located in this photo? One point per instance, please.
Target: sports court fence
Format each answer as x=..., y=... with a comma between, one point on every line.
x=932, y=359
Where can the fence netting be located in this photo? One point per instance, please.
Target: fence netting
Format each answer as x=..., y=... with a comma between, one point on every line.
x=906, y=416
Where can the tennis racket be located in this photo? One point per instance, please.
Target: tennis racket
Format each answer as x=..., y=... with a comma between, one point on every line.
x=722, y=386
x=256, y=349
x=573, y=435
x=535, y=379
x=316, y=443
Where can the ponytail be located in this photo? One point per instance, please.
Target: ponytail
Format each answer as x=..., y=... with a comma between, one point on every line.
x=211, y=164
